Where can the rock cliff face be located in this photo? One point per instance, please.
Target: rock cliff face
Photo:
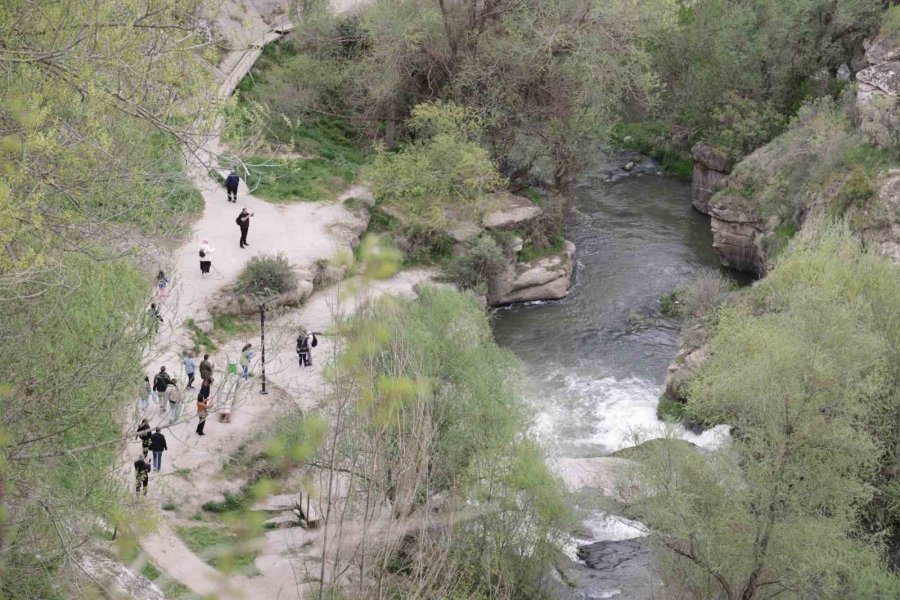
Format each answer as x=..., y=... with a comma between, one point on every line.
x=878, y=91
x=711, y=169
x=739, y=238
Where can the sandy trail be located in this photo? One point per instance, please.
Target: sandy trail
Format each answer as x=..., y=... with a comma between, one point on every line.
x=305, y=232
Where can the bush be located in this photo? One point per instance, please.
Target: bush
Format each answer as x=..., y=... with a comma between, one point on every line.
x=705, y=293
x=744, y=124
x=443, y=170
x=481, y=263
x=266, y=276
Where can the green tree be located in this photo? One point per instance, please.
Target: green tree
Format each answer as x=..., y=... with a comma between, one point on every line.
x=805, y=372
x=444, y=172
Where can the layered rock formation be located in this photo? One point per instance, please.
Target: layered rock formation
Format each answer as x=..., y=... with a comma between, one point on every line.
x=542, y=279
x=711, y=169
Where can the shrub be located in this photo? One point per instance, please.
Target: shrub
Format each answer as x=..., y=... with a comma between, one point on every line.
x=267, y=275
x=744, y=124
x=482, y=262
x=705, y=293
x=444, y=169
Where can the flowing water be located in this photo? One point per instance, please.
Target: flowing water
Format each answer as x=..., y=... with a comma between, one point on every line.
x=596, y=361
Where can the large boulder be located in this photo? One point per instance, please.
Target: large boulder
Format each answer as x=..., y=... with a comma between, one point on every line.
x=542, y=279
x=510, y=212
x=711, y=169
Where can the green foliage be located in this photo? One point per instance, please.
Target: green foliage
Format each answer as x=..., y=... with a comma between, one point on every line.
x=807, y=374
x=744, y=124
x=443, y=170
x=479, y=264
x=267, y=275
x=200, y=339
x=231, y=503
x=890, y=23
x=653, y=139
x=91, y=101
x=72, y=353
x=669, y=303
x=302, y=179
x=530, y=252
x=223, y=548
x=435, y=389
x=751, y=62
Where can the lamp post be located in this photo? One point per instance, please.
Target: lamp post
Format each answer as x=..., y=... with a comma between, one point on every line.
x=262, y=339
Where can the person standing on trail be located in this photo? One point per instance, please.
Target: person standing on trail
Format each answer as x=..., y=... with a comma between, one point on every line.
x=206, y=368
x=157, y=447
x=141, y=474
x=231, y=185
x=205, y=259
x=246, y=355
x=163, y=386
x=243, y=221
x=146, y=392
x=190, y=367
x=162, y=283
x=306, y=341
x=202, y=412
x=143, y=434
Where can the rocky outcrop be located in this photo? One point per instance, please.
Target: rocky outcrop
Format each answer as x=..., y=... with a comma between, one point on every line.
x=511, y=212
x=542, y=279
x=681, y=370
x=882, y=217
x=711, y=169
x=878, y=90
x=739, y=239
x=117, y=579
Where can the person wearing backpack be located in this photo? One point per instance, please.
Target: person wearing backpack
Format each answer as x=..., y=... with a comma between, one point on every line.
x=141, y=474
x=306, y=341
x=243, y=221
x=161, y=385
x=231, y=185
x=205, y=259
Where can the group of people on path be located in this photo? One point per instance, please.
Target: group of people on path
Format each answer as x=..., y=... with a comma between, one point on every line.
x=232, y=182
x=163, y=387
x=154, y=443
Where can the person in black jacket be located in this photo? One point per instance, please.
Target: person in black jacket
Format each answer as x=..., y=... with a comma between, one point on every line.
x=161, y=383
x=231, y=185
x=305, y=343
x=243, y=221
x=143, y=434
x=157, y=447
x=141, y=475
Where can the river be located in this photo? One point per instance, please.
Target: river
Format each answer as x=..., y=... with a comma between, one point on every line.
x=596, y=361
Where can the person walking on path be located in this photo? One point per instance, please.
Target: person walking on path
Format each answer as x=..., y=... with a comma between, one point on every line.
x=190, y=368
x=141, y=474
x=202, y=412
x=157, y=447
x=206, y=368
x=163, y=385
x=231, y=185
x=143, y=434
x=246, y=355
x=205, y=260
x=306, y=341
x=162, y=283
x=243, y=221
x=146, y=392
x=154, y=317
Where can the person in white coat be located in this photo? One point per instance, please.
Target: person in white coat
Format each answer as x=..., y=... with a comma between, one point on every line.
x=205, y=259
